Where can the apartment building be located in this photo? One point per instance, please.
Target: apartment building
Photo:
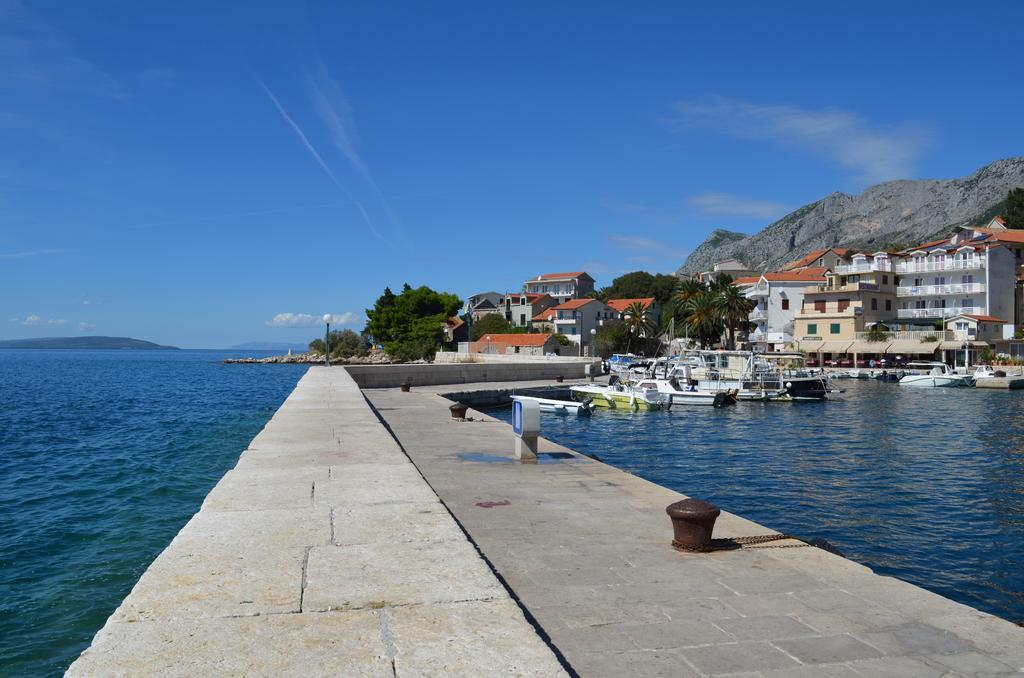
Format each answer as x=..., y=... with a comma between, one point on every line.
x=650, y=306
x=561, y=286
x=731, y=267
x=576, y=317
x=521, y=307
x=779, y=296
x=854, y=296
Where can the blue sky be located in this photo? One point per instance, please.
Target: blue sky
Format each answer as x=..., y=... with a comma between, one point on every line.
x=188, y=172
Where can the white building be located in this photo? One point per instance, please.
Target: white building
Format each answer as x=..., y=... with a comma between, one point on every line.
x=731, y=267
x=561, y=286
x=779, y=296
x=972, y=273
x=576, y=317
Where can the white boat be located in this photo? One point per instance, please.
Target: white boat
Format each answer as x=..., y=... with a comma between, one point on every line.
x=582, y=409
x=934, y=374
x=984, y=372
x=678, y=394
x=619, y=396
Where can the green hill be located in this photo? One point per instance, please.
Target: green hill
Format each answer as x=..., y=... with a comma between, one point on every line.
x=82, y=342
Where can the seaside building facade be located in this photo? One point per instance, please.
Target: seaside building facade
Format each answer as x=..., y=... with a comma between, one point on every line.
x=732, y=267
x=650, y=305
x=779, y=296
x=576, y=317
x=521, y=307
x=511, y=344
x=561, y=286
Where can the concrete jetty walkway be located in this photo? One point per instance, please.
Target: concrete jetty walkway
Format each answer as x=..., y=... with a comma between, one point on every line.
x=323, y=552
x=585, y=549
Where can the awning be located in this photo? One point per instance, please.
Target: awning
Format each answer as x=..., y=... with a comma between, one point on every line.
x=830, y=346
x=912, y=346
x=861, y=347
x=959, y=345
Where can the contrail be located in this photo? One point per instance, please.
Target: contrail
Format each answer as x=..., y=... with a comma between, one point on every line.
x=320, y=161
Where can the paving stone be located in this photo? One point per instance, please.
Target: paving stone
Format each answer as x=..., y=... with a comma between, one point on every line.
x=736, y=657
x=428, y=521
x=899, y=667
x=648, y=663
x=675, y=634
x=764, y=628
x=827, y=649
x=916, y=638
x=467, y=639
x=238, y=495
x=273, y=527
x=404, y=573
x=816, y=671
x=971, y=664
x=346, y=643
x=767, y=604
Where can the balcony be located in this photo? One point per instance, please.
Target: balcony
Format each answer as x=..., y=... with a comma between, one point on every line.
x=757, y=292
x=758, y=314
x=926, y=290
x=864, y=267
x=848, y=287
x=923, y=266
x=943, y=335
x=947, y=312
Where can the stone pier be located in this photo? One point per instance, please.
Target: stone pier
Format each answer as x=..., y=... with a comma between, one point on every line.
x=323, y=552
x=341, y=545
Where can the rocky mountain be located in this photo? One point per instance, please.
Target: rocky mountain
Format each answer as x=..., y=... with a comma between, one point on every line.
x=893, y=213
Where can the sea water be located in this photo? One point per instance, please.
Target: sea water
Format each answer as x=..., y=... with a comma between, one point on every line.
x=104, y=456
x=923, y=484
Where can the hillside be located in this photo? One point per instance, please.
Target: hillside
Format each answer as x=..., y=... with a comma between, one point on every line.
x=902, y=212
x=83, y=342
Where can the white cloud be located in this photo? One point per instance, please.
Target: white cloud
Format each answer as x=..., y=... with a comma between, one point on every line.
x=843, y=137
x=724, y=204
x=85, y=327
x=31, y=253
x=34, y=319
x=308, y=320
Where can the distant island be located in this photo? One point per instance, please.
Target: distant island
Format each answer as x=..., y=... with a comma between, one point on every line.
x=82, y=342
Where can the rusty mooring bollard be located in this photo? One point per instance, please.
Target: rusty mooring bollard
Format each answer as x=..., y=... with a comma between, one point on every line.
x=404, y=386
x=458, y=411
x=693, y=521
x=559, y=379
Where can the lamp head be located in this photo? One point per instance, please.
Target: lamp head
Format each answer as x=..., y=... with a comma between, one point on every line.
x=327, y=317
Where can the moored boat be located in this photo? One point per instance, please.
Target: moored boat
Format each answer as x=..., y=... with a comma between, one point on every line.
x=619, y=396
x=582, y=409
x=934, y=374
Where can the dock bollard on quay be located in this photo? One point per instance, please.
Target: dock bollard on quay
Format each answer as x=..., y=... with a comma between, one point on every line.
x=526, y=427
x=458, y=411
x=404, y=386
x=693, y=522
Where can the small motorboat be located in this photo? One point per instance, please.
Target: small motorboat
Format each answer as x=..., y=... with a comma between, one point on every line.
x=582, y=409
x=934, y=374
x=619, y=396
x=677, y=394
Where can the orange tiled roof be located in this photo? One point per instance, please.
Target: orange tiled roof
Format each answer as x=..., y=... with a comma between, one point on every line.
x=575, y=303
x=514, y=339
x=543, y=315
x=621, y=305
x=455, y=322
x=813, y=274
x=809, y=258
x=559, y=276
x=746, y=281
x=985, y=318
x=1010, y=235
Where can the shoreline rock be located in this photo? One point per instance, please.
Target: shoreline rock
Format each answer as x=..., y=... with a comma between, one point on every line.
x=311, y=359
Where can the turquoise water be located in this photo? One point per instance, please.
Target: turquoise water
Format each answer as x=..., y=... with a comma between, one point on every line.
x=104, y=455
x=922, y=484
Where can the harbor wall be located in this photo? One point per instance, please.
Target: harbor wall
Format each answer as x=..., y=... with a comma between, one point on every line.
x=389, y=376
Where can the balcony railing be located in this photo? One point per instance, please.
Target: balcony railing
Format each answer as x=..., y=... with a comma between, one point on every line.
x=759, y=314
x=947, y=312
x=923, y=266
x=943, y=335
x=757, y=292
x=925, y=290
x=848, y=287
x=863, y=267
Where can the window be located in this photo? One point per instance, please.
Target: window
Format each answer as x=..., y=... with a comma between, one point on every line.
x=843, y=304
x=785, y=304
x=821, y=261
x=885, y=280
x=522, y=320
x=967, y=279
x=812, y=329
x=874, y=303
x=888, y=304
x=819, y=306
x=834, y=328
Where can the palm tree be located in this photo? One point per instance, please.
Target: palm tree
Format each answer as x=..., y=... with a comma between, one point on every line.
x=686, y=289
x=703, y=320
x=637, y=321
x=733, y=308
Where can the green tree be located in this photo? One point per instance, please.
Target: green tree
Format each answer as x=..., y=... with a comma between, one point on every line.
x=1013, y=212
x=702, y=320
x=637, y=322
x=492, y=323
x=344, y=344
x=640, y=285
x=732, y=307
x=411, y=324
x=611, y=338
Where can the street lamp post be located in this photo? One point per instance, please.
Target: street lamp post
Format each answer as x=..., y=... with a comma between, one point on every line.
x=593, y=336
x=327, y=340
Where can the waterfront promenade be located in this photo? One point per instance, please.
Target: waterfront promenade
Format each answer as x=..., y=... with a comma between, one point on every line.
x=332, y=549
x=323, y=552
